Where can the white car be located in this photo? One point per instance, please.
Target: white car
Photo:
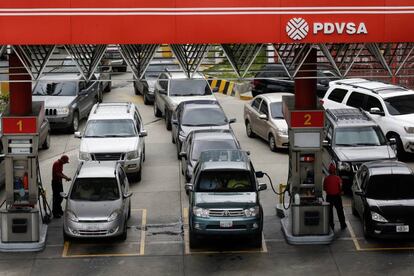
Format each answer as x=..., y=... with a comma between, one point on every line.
x=263, y=117
x=390, y=106
x=114, y=131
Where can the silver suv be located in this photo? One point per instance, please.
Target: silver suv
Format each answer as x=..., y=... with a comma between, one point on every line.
x=114, y=131
x=98, y=202
x=173, y=88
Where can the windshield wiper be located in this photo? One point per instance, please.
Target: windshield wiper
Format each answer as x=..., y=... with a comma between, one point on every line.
x=345, y=145
x=94, y=136
x=366, y=144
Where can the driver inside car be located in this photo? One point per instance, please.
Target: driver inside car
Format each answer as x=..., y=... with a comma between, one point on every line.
x=237, y=182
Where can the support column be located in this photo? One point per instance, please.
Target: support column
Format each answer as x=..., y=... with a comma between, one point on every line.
x=20, y=92
x=305, y=89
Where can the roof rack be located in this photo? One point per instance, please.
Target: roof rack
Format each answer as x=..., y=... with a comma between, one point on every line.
x=128, y=104
x=374, y=90
x=348, y=114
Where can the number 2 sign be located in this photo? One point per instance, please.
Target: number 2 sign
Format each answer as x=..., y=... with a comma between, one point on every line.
x=306, y=119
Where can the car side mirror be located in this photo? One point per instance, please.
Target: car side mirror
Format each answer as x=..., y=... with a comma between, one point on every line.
x=127, y=195
x=262, y=186
x=232, y=120
x=183, y=154
x=78, y=134
x=143, y=133
x=259, y=174
x=215, y=89
x=263, y=117
x=360, y=193
x=248, y=152
x=392, y=141
x=326, y=143
x=189, y=187
x=63, y=195
x=376, y=111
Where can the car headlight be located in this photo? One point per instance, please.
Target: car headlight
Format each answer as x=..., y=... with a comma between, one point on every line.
x=113, y=216
x=71, y=215
x=252, y=212
x=377, y=217
x=181, y=136
x=344, y=166
x=409, y=129
x=200, y=212
x=132, y=155
x=85, y=156
x=62, y=111
x=283, y=131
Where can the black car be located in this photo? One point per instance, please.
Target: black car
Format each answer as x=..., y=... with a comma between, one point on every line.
x=202, y=140
x=197, y=115
x=273, y=78
x=383, y=197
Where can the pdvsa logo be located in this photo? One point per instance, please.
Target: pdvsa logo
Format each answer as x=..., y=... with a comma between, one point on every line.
x=298, y=28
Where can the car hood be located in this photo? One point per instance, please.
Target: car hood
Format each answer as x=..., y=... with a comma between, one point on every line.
x=225, y=200
x=393, y=209
x=185, y=130
x=177, y=100
x=55, y=101
x=407, y=120
x=151, y=84
x=93, y=210
x=118, y=144
x=364, y=153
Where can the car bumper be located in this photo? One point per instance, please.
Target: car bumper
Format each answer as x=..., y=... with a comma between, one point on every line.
x=150, y=95
x=132, y=166
x=241, y=226
x=282, y=141
x=93, y=229
x=408, y=143
x=388, y=230
x=59, y=122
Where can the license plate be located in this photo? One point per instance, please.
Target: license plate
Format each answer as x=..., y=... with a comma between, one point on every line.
x=226, y=224
x=402, y=228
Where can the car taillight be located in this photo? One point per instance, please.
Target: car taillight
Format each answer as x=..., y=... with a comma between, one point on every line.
x=321, y=101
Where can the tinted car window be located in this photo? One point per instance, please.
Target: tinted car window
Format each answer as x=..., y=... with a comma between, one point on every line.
x=189, y=88
x=204, y=117
x=337, y=95
x=95, y=189
x=373, y=102
x=264, y=109
x=388, y=187
x=56, y=89
x=359, y=136
x=200, y=146
x=225, y=181
x=256, y=103
x=400, y=105
x=276, y=110
x=110, y=128
x=356, y=100
x=155, y=69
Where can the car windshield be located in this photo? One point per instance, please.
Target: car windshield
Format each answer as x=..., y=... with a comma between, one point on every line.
x=359, y=136
x=67, y=88
x=110, y=128
x=204, y=145
x=276, y=110
x=213, y=116
x=189, y=88
x=95, y=189
x=154, y=70
x=225, y=181
x=391, y=187
x=400, y=105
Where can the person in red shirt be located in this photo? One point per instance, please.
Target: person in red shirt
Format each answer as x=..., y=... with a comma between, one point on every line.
x=57, y=187
x=332, y=186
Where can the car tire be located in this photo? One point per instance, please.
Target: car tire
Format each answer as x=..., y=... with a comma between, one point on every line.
x=136, y=91
x=272, y=143
x=129, y=210
x=46, y=143
x=66, y=237
x=249, y=131
x=172, y=138
x=75, y=122
x=400, y=148
x=194, y=240
x=178, y=147
x=108, y=88
x=146, y=101
x=124, y=234
x=257, y=240
x=157, y=112
x=354, y=211
x=366, y=229
x=167, y=120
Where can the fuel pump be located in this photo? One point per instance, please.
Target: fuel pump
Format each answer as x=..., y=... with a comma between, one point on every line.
x=306, y=221
x=22, y=227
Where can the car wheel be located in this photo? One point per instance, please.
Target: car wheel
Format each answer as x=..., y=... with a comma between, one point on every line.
x=366, y=228
x=272, y=143
x=194, y=241
x=124, y=234
x=46, y=143
x=157, y=112
x=129, y=210
x=144, y=155
x=354, y=211
x=167, y=120
x=172, y=138
x=257, y=240
x=400, y=148
x=249, y=130
x=66, y=237
x=146, y=101
x=178, y=144
x=75, y=122
x=108, y=88
x=136, y=91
